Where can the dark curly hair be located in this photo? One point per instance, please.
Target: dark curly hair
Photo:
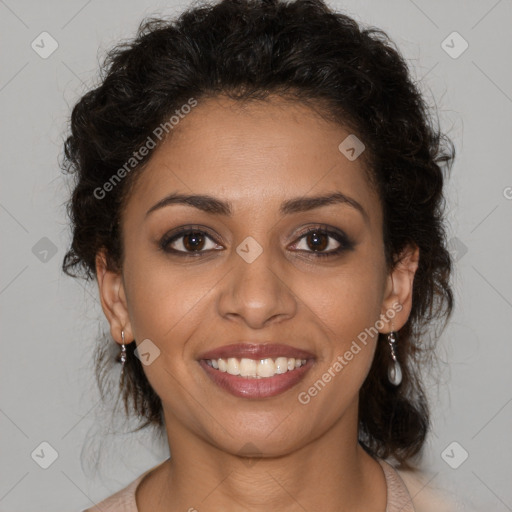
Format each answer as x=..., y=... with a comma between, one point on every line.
x=305, y=52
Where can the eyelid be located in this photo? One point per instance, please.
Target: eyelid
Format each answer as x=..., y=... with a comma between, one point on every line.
x=178, y=233
x=345, y=242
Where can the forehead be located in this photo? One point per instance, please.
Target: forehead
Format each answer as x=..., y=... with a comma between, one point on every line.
x=250, y=152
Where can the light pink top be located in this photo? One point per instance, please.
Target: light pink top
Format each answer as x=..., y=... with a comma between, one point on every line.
x=398, y=498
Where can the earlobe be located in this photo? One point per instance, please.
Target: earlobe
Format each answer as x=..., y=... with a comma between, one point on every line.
x=113, y=299
x=397, y=303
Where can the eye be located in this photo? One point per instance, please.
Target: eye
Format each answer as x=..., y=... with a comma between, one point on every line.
x=187, y=241
x=320, y=238
x=192, y=241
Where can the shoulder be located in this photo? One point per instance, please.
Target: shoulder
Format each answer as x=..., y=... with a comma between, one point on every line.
x=121, y=501
x=427, y=494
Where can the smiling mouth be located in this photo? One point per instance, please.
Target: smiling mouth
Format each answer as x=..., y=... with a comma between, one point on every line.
x=256, y=369
x=262, y=379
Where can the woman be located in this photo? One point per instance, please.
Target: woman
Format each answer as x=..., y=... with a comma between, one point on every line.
x=259, y=194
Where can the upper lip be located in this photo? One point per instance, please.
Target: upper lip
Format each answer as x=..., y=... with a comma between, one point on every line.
x=256, y=351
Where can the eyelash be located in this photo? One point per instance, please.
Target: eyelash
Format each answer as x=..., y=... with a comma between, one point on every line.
x=345, y=243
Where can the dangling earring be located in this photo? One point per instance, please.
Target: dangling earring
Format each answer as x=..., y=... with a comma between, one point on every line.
x=394, y=370
x=123, y=354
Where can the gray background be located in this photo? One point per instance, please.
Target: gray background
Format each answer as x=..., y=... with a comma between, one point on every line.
x=49, y=321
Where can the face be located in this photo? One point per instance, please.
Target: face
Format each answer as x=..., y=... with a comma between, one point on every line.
x=310, y=276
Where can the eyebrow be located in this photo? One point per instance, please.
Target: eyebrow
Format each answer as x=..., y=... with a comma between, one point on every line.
x=210, y=204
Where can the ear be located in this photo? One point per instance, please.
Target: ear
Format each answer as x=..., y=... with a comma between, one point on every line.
x=397, y=303
x=113, y=299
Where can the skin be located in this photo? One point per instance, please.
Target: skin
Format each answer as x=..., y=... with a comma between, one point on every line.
x=256, y=157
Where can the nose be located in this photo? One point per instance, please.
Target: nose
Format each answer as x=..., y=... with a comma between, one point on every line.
x=257, y=293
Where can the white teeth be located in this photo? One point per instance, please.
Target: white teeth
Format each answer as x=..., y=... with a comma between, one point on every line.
x=256, y=369
x=233, y=366
x=248, y=368
x=223, y=365
x=281, y=365
x=266, y=368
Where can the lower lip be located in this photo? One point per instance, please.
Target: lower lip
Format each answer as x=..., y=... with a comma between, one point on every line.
x=256, y=388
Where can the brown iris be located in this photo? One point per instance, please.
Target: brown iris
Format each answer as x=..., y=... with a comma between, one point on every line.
x=314, y=237
x=193, y=241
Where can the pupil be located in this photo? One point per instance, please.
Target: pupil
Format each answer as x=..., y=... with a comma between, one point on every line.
x=315, y=237
x=196, y=239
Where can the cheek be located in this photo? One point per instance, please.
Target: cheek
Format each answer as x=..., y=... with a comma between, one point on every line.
x=344, y=309
x=163, y=306
x=344, y=312
x=346, y=301
x=163, y=297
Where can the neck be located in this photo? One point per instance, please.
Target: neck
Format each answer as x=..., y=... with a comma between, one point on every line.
x=331, y=473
